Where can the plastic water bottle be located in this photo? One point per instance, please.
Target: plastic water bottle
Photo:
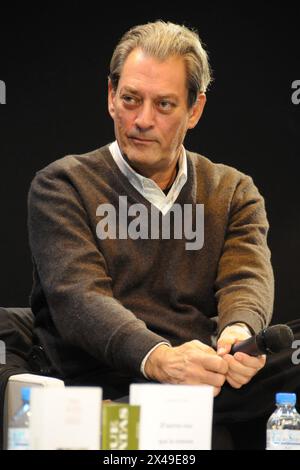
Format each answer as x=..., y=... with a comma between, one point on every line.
x=283, y=427
x=18, y=428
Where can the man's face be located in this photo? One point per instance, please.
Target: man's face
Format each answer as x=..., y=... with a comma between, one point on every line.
x=150, y=112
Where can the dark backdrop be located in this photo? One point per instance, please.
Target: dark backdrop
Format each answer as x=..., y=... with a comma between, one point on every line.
x=54, y=61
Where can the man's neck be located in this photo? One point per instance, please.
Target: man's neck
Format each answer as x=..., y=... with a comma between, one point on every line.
x=163, y=179
x=172, y=179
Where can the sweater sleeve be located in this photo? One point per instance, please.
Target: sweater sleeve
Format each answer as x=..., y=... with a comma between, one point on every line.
x=74, y=277
x=245, y=282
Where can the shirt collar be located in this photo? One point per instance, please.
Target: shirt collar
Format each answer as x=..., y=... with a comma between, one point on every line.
x=139, y=180
x=146, y=186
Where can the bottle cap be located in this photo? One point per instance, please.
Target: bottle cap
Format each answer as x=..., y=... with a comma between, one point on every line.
x=25, y=394
x=285, y=398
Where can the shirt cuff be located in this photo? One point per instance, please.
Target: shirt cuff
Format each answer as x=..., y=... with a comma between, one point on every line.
x=146, y=357
x=245, y=327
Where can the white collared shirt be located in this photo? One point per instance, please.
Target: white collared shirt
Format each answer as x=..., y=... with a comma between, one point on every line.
x=146, y=186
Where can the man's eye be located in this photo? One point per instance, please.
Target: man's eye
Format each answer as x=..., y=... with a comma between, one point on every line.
x=166, y=105
x=129, y=99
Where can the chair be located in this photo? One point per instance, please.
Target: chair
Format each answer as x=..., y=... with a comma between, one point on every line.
x=16, y=332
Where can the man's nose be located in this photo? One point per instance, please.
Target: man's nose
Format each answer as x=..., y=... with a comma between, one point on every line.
x=145, y=117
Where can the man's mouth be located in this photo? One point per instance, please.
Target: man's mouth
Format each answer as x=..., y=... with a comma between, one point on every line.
x=140, y=140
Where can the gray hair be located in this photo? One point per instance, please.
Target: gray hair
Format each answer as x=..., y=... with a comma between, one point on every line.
x=162, y=40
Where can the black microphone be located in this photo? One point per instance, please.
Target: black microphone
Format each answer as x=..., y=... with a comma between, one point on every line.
x=269, y=340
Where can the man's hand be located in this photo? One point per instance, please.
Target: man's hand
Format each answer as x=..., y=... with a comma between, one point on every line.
x=191, y=363
x=241, y=366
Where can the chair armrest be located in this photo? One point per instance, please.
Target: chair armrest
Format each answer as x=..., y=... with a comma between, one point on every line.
x=12, y=399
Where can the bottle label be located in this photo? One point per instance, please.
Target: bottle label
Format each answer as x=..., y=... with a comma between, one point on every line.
x=18, y=439
x=283, y=439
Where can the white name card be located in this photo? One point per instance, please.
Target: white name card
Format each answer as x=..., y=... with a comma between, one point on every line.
x=174, y=416
x=65, y=418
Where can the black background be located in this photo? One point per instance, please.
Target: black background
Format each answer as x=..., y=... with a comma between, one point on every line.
x=54, y=61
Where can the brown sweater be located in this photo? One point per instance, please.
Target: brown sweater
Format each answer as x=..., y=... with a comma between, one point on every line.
x=105, y=303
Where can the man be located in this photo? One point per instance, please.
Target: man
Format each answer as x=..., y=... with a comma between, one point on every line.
x=115, y=298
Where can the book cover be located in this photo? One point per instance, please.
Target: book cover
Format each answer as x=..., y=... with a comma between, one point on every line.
x=120, y=426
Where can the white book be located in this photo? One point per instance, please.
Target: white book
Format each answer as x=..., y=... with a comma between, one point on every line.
x=174, y=416
x=65, y=418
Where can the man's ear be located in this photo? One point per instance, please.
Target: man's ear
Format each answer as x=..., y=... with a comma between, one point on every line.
x=197, y=110
x=111, y=97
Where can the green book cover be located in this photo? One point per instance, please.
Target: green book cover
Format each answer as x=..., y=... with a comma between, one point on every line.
x=120, y=426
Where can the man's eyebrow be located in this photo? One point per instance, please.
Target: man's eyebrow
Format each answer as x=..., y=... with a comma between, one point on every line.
x=129, y=90
x=161, y=96
x=171, y=96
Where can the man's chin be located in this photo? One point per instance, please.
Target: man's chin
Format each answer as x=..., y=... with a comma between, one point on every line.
x=141, y=157
x=146, y=161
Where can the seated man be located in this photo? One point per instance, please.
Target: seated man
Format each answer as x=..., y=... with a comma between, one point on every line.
x=139, y=245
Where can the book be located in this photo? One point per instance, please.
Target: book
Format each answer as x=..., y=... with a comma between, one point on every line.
x=65, y=418
x=120, y=426
x=174, y=416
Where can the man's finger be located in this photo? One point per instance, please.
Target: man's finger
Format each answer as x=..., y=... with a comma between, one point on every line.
x=250, y=361
x=214, y=364
x=223, y=348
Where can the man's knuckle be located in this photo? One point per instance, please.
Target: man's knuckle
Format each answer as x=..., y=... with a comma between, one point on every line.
x=221, y=366
x=191, y=356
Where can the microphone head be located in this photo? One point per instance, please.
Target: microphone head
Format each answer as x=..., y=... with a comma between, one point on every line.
x=275, y=338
